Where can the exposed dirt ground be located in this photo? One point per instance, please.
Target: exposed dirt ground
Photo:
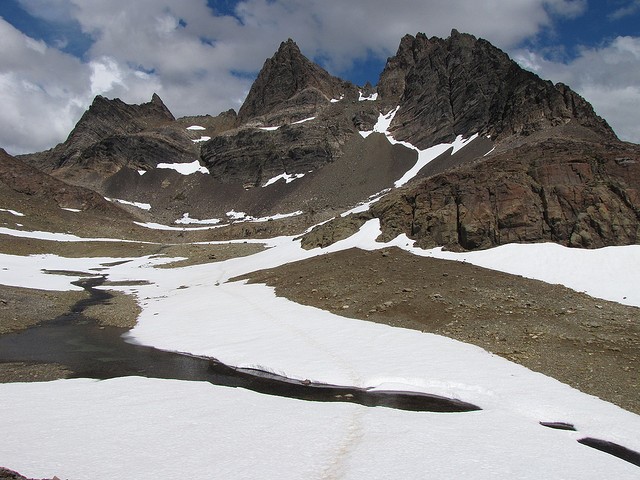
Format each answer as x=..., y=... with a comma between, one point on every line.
x=591, y=344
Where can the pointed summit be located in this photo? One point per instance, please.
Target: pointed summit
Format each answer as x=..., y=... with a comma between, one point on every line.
x=464, y=85
x=289, y=78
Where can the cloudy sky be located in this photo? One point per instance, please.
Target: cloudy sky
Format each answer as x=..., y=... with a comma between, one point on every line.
x=201, y=56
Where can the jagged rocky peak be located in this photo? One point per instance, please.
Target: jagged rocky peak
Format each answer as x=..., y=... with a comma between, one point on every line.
x=106, y=117
x=112, y=133
x=289, y=80
x=464, y=85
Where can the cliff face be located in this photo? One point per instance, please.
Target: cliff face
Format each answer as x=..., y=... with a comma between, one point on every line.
x=577, y=194
x=463, y=85
x=112, y=134
x=105, y=118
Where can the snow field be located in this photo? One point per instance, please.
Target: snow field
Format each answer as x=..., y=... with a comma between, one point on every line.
x=146, y=428
x=74, y=428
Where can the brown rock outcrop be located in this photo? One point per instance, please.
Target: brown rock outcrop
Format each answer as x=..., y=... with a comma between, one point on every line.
x=577, y=194
x=27, y=180
x=105, y=118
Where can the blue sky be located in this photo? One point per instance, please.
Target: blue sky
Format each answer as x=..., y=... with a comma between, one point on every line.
x=201, y=56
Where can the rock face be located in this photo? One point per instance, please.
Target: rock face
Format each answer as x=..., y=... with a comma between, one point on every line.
x=289, y=89
x=294, y=86
x=578, y=194
x=558, y=173
x=463, y=85
x=106, y=118
x=112, y=134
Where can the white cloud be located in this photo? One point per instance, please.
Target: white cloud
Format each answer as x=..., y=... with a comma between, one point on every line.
x=191, y=57
x=608, y=77
x=41, y=92
x=625, y=11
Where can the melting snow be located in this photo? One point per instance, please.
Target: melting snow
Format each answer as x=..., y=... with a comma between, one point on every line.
x=269, y=129
x=159, y=226
x=362, y=98
x=288, y=178
x=143, y=206
x=424, y=156
x=204, y=138
x=186, y=220
x=12, y=212
x=243, y=217
x=59, y=237
x=185, y=168
x=336, y=100
x=233, y=215
x=196, y=127
x=75, y=210
x=606, y=273
x=173, y=428
x=303, y=120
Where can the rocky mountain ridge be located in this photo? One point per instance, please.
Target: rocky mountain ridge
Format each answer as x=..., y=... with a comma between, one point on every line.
x=554, y=173
x=463, y=85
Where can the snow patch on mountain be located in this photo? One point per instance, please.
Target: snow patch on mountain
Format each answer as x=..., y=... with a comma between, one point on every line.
x=303, y=120
x=243, y=217
x=287, y=177
x=372, y=97
x=187, y=220
x=424, y=156
x=185, y=168
x=196, y=127
x=159, y=226
x=12, y=212
x=140, y=205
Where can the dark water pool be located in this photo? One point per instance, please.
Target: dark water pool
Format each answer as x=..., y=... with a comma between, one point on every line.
x=92, y=351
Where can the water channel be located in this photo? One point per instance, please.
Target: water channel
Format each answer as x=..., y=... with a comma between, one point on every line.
x=89, y=350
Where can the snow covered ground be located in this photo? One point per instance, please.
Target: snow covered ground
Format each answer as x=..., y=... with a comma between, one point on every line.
x=76, y=428
x=149, y=428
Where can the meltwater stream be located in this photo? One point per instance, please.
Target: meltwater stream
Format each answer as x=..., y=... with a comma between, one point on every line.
x=91, y=351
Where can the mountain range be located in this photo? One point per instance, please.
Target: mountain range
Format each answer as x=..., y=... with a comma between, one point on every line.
x=455, y=151
x=541, y=167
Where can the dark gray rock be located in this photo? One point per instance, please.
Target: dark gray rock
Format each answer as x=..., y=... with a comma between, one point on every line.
x=293, y=86
x=463, y=85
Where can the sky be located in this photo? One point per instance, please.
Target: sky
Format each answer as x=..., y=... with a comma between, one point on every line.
x=202, y=56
